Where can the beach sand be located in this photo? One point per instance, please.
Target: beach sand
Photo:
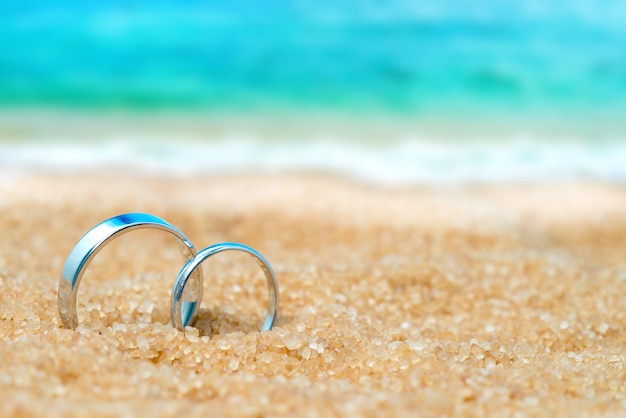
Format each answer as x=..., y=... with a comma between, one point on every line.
x=403, y=301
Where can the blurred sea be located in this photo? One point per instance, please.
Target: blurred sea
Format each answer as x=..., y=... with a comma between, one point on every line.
x=480, y=91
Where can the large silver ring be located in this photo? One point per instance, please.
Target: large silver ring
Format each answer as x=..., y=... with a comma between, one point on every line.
x=96, y=238
x=180, y=320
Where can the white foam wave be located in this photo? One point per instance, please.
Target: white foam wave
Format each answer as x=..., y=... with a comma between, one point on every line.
x=405, y=162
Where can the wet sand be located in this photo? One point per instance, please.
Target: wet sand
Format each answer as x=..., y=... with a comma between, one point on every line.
x=459, y=301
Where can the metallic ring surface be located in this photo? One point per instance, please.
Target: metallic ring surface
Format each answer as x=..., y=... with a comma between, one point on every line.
x=180, y=321
x=95, y=239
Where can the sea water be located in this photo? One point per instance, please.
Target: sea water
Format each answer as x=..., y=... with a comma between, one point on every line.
x=521, y=64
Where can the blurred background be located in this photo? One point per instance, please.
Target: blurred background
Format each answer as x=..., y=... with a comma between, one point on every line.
x=390, y=91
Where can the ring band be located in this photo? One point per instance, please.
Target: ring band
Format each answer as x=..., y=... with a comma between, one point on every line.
x=179, y=319
x=96, y=238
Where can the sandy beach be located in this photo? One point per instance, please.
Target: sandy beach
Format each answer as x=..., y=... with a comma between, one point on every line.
x=395, y=301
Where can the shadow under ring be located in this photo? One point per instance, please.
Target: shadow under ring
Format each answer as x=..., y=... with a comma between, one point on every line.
x=96, y=238
x=178, y=292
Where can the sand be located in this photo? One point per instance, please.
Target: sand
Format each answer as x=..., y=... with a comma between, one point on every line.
x=448, y=301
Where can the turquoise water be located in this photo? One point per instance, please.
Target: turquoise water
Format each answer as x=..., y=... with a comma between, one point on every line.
x=488, y=57
x=532, y=90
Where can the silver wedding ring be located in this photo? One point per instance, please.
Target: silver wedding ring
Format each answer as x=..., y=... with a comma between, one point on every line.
x=179, y=320
x=187, y=292
x=96, y=238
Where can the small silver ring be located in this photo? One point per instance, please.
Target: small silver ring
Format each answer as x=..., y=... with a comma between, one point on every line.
x=180, y=321
x=95, y=239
